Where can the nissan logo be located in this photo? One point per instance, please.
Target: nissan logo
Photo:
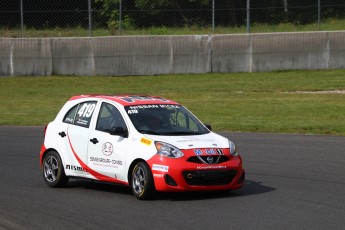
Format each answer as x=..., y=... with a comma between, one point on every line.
x=210, y=159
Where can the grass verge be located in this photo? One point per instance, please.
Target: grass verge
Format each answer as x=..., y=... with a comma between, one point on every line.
x=278, y=102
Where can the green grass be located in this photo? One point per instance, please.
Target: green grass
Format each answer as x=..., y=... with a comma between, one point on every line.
x=254, y=102
x=328, y=25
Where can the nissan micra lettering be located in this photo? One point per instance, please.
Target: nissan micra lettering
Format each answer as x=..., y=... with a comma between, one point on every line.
x=147, y=143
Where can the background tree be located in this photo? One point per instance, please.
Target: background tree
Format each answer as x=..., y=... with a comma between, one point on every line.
x=170, y=13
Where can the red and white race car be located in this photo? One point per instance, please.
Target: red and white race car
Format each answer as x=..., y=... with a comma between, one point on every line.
x=145, y=142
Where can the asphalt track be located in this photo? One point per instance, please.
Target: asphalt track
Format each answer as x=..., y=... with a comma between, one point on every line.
x=293, y=182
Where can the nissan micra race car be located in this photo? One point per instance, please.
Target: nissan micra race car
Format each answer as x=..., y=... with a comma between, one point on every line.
x=145, y=142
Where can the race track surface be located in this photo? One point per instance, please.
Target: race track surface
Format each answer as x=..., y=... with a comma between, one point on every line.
x=293, y=182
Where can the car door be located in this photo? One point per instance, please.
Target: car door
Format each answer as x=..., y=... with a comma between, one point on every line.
x=107, y=145
x=74, y=134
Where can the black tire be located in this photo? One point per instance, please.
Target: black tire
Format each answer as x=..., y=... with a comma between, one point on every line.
x=142, y=182
x=53, y=171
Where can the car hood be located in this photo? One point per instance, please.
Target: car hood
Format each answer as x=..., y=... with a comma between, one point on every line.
x=210, y=140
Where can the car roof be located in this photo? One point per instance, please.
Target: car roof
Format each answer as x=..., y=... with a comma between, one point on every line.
x=127, y=99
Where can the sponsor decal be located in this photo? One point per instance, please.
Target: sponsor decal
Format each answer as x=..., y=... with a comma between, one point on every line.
x=162, y=168
x=137, y=108
x=69, y=120
x=107, y=148
x=211, y=167
x=158, y=175
x=75, y=168
x=170, y=106
x=145, y=141
x=199, y=152
x=105, y=161
x=210, y=151
x=132, y=111
x=82, y=122
x=94, y=173
x=194, y=139
x=220, y=152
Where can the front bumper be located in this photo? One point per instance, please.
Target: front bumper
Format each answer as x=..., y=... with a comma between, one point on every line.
x=180, y=175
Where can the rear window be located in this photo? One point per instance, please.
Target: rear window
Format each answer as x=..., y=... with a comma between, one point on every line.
x=81, y=114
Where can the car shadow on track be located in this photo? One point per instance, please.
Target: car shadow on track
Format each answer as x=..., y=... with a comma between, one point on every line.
x=249, y=188
x=99, y=186
x=254, y=188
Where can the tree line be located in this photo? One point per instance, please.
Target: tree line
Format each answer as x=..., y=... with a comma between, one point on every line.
x=170, y=13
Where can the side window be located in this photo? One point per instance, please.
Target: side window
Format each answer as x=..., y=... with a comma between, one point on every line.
x=181, y=119
x=69, y=117
x=109, y=117
x=81, y=114
x=185, y=121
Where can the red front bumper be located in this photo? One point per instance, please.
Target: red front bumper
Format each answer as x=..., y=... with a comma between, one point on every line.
x=180, y=175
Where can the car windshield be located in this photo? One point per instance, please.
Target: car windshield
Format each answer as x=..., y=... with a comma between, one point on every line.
x=164, y=119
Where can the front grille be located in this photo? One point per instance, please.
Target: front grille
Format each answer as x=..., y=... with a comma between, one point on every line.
x=209, y=177
x=209, y=159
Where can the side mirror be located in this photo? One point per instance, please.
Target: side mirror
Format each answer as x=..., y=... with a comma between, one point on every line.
x=119, y=131
x=208, y=126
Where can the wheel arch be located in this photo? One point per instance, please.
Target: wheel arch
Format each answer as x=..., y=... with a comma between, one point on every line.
x=131, y=167
x=44, y=153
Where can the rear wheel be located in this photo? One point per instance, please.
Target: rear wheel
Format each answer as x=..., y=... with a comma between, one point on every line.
x=53, y=171
x=142, y=181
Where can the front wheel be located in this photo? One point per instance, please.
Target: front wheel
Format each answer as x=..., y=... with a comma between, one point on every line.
x=142, y=181
x=53, y=172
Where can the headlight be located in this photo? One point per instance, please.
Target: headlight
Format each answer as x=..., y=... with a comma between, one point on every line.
x=233, y=150
x=167, y=150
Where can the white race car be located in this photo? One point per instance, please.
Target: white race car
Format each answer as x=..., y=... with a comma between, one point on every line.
x=145, y=142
